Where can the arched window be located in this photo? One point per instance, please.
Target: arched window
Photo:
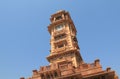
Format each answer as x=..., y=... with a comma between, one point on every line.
x=103, y=77
x=48, y=77
x=72, y=78
x=55, y=74
x=42, y=76
x=59, y=27
x=52, y=76
x=58, y=18
x=97, y=78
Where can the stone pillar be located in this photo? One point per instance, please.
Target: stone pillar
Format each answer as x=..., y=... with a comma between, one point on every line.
x=35, y=72
x=108, y=69
x=50, y=75
x=53, y=74
x=97, y=62
x=54, y=19
x=59, y=74
x=116, y=77
x=63, y=16
x=22, y=78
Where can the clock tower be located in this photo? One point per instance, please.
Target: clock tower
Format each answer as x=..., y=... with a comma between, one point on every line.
x=64, y=44
x=65, y=59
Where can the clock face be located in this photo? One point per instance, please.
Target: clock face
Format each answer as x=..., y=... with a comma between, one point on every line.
x=59, y=27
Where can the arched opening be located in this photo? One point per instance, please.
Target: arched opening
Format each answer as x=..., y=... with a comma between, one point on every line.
x=42, y=76
x=48, y=77
x=55, y=74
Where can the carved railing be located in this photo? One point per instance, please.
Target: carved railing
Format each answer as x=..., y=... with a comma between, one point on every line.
x=62, y=39
x=61, y=49
x=48, y=68
x=88, y=66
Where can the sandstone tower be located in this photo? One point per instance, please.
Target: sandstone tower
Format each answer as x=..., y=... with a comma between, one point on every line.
x=65, y=59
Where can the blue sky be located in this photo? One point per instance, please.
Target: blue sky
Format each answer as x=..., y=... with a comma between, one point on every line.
x=24, y=39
